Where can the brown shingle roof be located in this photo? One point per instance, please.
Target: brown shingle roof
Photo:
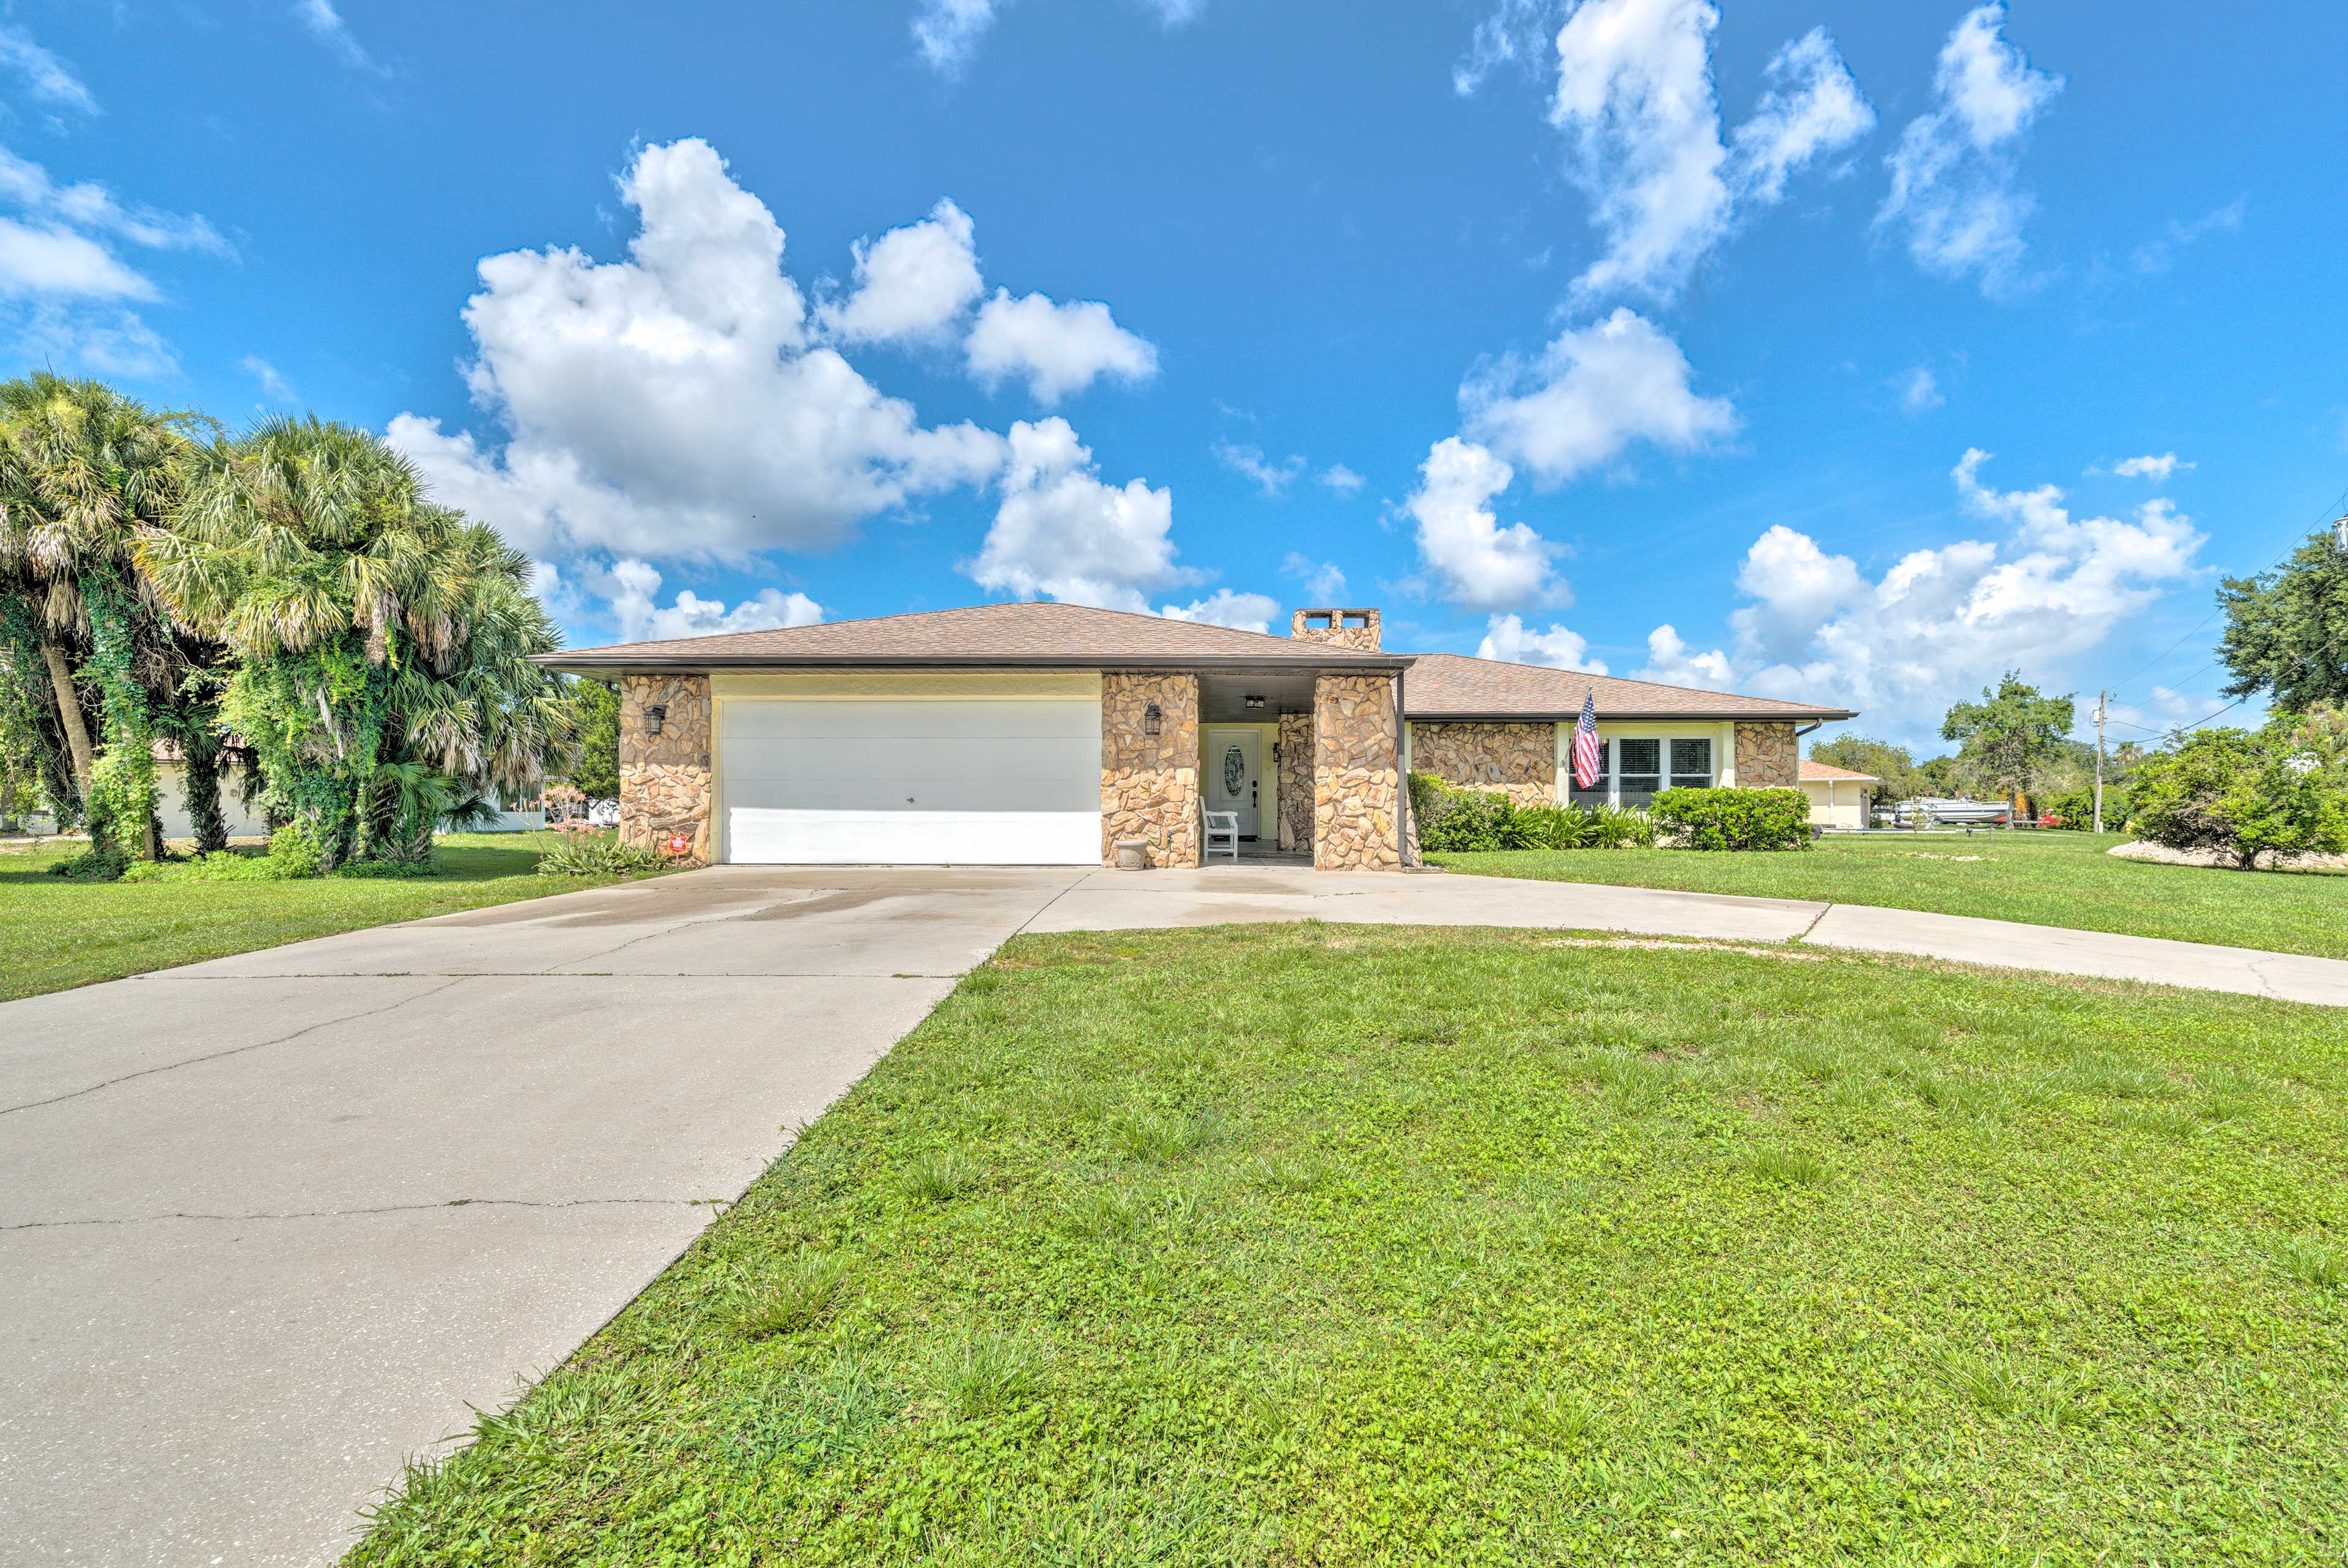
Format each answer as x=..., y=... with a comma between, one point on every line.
x=1819, y=773
x=1071, y=634
x=1453, y=686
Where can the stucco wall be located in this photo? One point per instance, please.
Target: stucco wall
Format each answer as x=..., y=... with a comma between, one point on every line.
x=1149, y=783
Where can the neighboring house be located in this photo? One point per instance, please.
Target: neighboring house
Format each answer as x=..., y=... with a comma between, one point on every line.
x=172, y=798
x=1838, y=797
x=1045, y=733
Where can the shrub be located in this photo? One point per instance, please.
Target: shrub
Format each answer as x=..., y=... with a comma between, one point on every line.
x=1453, y=821
x=1735, y=818
x=2074, y=809
x=296, y=851
x=597, y=855
x=1550, y=827
x=1619, y=828
x=2243, y=794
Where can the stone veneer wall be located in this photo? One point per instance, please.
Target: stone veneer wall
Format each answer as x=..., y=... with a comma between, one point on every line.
x=1364, y=638
x=1149, y=783
x=1356, y=755
x=1768, y=757
x=1518, y=759
x=1295, y=780
x=664, y=778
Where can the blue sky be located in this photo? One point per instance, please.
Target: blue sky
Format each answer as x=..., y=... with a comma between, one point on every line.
x=1649, y=334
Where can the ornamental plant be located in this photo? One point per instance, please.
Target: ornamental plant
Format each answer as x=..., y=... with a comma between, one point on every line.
x=2245, y=794
x=1735, y=818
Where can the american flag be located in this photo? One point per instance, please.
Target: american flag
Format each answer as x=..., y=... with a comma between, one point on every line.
x=1585, y=744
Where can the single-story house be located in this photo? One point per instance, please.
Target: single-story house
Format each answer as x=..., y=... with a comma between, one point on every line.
x=1838, y=797
x=172, y=798
x=1045, y=734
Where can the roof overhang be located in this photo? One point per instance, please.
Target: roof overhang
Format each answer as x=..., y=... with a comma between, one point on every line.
x=1797, y=716
x=600, y=669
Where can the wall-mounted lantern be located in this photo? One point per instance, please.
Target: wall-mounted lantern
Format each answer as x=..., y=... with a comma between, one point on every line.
x=655, y=717
x=1255, y=702
x=1152, y=721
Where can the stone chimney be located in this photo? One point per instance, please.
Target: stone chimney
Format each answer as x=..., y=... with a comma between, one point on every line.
x=1355, y=629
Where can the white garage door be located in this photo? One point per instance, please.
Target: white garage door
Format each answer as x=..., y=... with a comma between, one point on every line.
x=973, y=782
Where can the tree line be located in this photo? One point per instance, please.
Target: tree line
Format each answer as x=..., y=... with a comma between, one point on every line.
x=289, y=603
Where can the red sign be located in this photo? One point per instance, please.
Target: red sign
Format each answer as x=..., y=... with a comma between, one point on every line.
x=678, y=844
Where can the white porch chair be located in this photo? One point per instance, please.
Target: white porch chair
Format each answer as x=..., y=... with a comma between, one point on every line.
x=1222, y=833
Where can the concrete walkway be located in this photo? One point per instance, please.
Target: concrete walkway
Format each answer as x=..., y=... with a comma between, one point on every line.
x=271, y=1224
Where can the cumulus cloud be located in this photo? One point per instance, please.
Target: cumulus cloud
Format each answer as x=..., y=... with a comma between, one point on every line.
x=2157, y=470
x=1320, y=579
x=632, y=588
x=1636, y=100
x=1593, y=393
x=1248, y=462
x=1918, y=390
x=946, y=32
x=1475, y=561
x=1065, y=533
x=1507, y=637
x=911, y=284
x=1240, y=611
x=45, y=76
x=1941, y=620
x=676, y=403
x=1057, y=349
x=1955, y=187
x=1341, y=479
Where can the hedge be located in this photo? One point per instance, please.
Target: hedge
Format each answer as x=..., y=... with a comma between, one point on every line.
x=1735, y=818
x=1468, y=821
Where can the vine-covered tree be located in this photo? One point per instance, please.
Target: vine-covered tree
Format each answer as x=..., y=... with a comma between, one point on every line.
x=2287, y=630
x=84, y=473
x=381, y=644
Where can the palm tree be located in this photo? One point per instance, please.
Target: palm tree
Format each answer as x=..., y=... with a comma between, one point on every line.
x=384, y=642
x=84, y=473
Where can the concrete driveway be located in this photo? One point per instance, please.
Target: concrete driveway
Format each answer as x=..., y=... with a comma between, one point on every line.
x=269, y=1226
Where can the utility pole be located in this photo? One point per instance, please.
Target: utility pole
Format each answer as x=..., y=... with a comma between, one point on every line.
x=2102, y=700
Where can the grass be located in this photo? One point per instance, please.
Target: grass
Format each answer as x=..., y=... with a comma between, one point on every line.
x=57, y=934
x=1327, y=1245
x=2041, y=878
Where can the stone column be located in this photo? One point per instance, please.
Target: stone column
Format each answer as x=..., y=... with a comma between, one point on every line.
x=1295, y=784
x=1149, y=783
x=1356, y=775
x=1767, y=756
x=664, y=779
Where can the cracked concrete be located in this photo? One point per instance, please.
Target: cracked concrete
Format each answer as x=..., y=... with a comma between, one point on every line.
x=272, y=1225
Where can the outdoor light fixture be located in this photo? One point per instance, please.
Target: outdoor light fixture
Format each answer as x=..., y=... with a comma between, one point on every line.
x=655, y=716
x=1255, y=702
x=1151, y=719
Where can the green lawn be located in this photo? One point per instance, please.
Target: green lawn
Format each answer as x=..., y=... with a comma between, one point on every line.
x=56, y=934
x=2043, y=878
x=1328, y=1246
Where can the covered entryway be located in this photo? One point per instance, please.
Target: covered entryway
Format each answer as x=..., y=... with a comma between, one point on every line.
x=964, y=780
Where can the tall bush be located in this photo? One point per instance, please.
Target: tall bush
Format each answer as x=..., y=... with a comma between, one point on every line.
x=2244, y=793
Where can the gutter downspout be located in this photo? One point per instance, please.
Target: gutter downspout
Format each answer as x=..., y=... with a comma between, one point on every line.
x=1402, y=777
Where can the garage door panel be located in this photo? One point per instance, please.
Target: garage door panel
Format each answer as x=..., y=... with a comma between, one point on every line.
x=991, y=782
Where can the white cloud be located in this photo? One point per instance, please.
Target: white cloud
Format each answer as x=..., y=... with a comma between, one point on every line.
x=633, y=587
x=2158, y=255
x=911, y=283
x=1065, y=533
x=1322, y=580
x=105, y=341
x=1918, y=390
x=947, y=31
x=1953, y=179
x=271, y=384
x=1172, y=14
x=2157, y=470
x=1671, y=662
x=1518, y=33
x=50, y=261
x=1813, y=108
x=1248, y=462
x=1508, y=639
x=1341, y=479
x=44, y=76
x=1636, y=98
x=326, y=24
x=1591, y=394
x=1240, y=611
x=1939, y=622
x=1058, y=349
x=674, y=403
x=1476, y=562
x=89, y=208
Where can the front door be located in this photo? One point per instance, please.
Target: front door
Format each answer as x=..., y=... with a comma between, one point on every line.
x=1234, y=780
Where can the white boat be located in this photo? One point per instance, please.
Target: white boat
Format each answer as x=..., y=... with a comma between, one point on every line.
x=1954, y=811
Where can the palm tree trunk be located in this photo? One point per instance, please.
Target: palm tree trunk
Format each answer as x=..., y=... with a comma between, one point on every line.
x=70, y=716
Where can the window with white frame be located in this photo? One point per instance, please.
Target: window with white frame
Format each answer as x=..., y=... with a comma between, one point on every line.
x=1633, y=769
x=1691, y=764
